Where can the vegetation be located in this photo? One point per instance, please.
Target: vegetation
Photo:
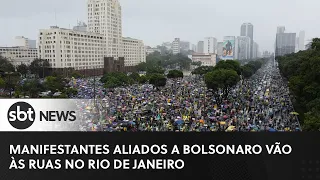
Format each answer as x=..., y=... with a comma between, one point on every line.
x=23, y=69
x=302, y=70
x=156, y=63
x=158, y=80
x=175, y=74
x=39, y=67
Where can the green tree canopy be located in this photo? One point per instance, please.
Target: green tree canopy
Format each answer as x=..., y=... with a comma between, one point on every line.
x=39, y=67
x=175, y=74
x=23, y=69
x=158, y=80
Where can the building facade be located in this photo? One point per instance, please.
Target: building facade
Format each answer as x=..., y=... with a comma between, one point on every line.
x=134, y=51
x=210, y=45
x=184, y=45
x=247, y=30
x=281, y=29
x=255, y=53
x=105, y=17
x=21, y=41
x=150, y=50
x=81, y=27
x=206, y=59
x=243, y=46
x=66, y=48
x=19, y=55
x=301, y=41
x=219, y=49
x=285, y=43
x=176, y=46
x=200, y=47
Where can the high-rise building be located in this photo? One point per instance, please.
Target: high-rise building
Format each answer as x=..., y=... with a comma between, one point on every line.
x=104, y=17
x=176, y=46
x=210, y=45
x=247, y=30
x=243, y=47
x=66, y=48
x=184, y=45
x=134, y=51
x=266, y=54
x=255, y=53
x=19, y=55
x=21, y=41
x=81, y=26
x=285, y=43
x=281, y=29
x=297, y=45
x=301, y=41
x=200, y=47
x=219, y=49
x=193, y=47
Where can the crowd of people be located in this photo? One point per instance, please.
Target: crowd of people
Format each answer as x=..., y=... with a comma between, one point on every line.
x=260, y=103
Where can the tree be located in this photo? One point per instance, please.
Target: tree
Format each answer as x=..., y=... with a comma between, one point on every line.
x=143, y=79
x=135, y=76
x=247, y=71
x=23, y=69
x=229, y=64
x=198, y=63
x=54, y=84
x=315, y=44
x=2, y=83
x=5, y=65
x=39, y=67
x=175, y=74
x=70, y=92
x=202, y=70
x=142, y=66
x=76, y=74
x=224, y=79
x=31, y=87
x=158, y=80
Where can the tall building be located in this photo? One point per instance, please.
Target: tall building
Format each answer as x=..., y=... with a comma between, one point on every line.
x=176, y=46
x=297, y=45
x=243, y=46
x=193, y=47
x=184, y=45
x=301, y=41
x=205, y=59
x=285, y=43
x=81, y=26
x=247, y=30
x=266, y=54
x=168, y=45
x=255, y=53
x=19, y=55
x=219, y=49
x=66, y=48
x=200, y=47
x=210, y=45
x=21, y=41
x=134, y=51
x=281, y=29
x=104, y=17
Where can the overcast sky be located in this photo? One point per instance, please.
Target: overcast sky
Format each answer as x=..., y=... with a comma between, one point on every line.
x=157, y=21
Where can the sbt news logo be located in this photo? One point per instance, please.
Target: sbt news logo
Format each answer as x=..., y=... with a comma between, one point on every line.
x=22, y=115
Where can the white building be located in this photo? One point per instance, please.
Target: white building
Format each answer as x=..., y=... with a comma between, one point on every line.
x=19, y=55
x=104, y=17
x=210, y=45
x=66, y=48
x=243, y=46
x=194, y=47
x=134, y=51
x=301, y=41
x=81, y=27
x=219, y=49
x=150, y=50
x=206, y=59
x=176, y=46
x=21, y=41
x=255, y=52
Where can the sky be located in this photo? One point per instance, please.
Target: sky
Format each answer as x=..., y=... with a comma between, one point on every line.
x=158, y=21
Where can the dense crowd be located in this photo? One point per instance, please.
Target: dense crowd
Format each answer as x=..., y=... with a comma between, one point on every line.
x=260, y=103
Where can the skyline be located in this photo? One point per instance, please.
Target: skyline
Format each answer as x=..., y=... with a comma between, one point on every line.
x=149, y=20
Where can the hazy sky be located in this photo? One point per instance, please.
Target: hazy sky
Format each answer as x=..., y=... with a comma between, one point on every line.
x=157, y=21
